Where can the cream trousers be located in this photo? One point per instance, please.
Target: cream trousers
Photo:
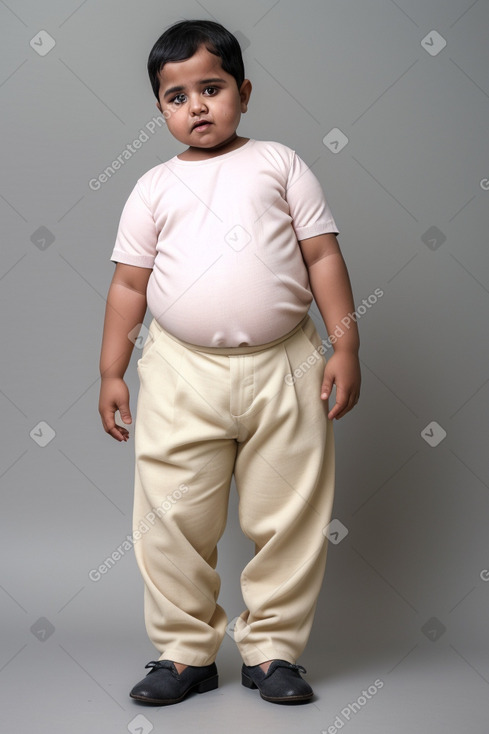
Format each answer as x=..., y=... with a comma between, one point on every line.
x=204, y=414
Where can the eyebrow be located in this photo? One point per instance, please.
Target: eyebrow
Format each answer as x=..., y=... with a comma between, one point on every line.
x=181, y=88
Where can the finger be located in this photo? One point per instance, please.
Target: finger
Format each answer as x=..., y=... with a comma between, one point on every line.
x=108, y=421
x=125, y=413
x=340, y=409
x=326, y=386
x=334, y=412
x=341, y=405
x=119, y=433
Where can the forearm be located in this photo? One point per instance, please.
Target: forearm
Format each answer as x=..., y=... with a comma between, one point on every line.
x=331, y=288
x=125, y=309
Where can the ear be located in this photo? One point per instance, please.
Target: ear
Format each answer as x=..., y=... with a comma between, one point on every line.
x=244, y=94
x=159, y=107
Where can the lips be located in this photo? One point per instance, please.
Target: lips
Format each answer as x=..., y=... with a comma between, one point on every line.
x=200, y=123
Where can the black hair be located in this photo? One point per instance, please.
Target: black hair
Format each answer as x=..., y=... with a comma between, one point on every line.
x=181, y=40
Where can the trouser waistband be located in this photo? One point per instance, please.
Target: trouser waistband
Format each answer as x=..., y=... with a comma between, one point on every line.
x=234, y=350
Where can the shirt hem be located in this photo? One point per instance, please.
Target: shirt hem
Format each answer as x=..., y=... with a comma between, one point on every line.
x=303, y=233
x=140, y=261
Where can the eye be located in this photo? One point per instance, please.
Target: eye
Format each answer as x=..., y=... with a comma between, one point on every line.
x=213, y=89
x=176, y=100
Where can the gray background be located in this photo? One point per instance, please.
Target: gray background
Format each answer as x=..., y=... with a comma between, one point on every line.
x=405, y=597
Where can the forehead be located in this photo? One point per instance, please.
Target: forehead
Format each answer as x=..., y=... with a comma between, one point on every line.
x=192, y=70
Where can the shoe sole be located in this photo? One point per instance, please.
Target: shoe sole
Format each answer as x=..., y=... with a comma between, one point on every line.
x=247, y=682
x=203, y=687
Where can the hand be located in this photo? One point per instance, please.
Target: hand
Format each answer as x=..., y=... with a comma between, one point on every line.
x=343, y=369
x=114, y=395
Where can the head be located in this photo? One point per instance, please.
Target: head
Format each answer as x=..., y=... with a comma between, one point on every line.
x=197, y=73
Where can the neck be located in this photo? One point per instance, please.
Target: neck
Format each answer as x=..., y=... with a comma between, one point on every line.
x=195, y=154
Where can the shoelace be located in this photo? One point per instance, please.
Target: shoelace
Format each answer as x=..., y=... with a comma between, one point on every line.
x=292, y=666
x=158, y=664
x=300, y=668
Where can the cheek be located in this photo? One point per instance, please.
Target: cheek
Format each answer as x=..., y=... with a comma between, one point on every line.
x=227, y=108
x=173, y=116
x=229, y=112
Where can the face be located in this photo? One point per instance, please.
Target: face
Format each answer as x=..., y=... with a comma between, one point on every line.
x=198, y=89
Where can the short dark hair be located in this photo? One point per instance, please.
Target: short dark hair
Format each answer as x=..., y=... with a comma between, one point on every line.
x=181, y=40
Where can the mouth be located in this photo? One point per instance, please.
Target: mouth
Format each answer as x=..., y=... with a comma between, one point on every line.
x=201, y=125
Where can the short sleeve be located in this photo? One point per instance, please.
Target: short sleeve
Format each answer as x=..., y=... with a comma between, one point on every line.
x=309, y=209
x=136, y=236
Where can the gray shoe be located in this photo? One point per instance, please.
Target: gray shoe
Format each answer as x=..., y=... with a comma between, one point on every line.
x=163, y=685
x=282, y=683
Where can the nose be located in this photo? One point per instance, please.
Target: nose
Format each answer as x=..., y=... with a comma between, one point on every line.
x=197, y=103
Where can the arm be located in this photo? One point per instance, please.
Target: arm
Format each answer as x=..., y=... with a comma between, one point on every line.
x=126, y=307
x=331, y=288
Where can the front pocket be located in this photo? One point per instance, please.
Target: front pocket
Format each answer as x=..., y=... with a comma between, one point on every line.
x=154, y=333
x=309, y=332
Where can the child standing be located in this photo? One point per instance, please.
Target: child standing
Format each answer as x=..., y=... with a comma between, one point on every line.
x=227, y=243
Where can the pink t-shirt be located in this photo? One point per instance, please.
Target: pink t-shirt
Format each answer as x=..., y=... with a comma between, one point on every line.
x=222, y=238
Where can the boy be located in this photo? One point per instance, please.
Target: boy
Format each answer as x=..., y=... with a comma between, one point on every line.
x=227, y=243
